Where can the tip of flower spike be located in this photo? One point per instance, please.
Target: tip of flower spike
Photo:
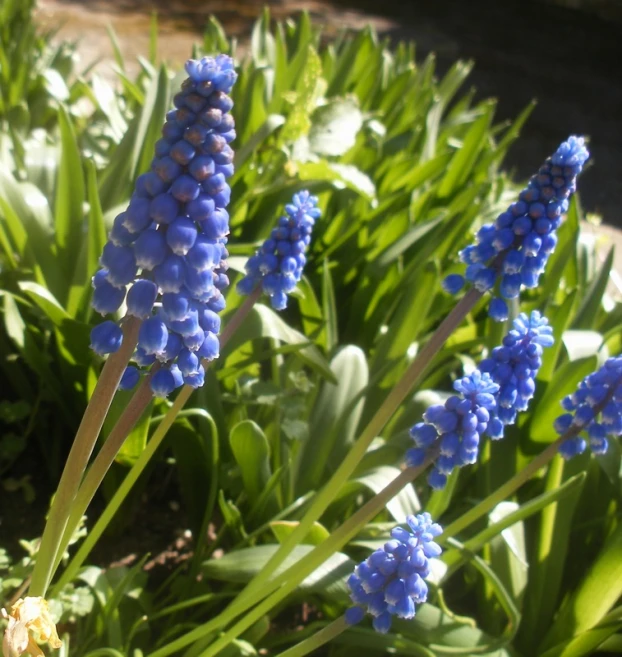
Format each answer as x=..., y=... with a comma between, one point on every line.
x=571, y=152
x=390, y=582
x=219, y=71
x=278, y=265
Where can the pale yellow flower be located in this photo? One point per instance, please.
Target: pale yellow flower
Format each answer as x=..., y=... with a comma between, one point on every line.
x=30, y=623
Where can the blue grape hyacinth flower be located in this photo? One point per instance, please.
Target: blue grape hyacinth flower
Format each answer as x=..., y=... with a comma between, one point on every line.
x=596, y=408
x=514, y=366
x=456, y=427
x=277, y=266
x=166, y=254
x=513, y=252
x=391, y=581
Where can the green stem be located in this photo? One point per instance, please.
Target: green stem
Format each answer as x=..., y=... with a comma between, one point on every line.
x=125, y=423
x=80, y=452
x=287, y=581
x=373, y=429
x=326, y=634
x=291, y=578
x=97, y=471
x=503, y=492
x=513, y=484
x=132, y=477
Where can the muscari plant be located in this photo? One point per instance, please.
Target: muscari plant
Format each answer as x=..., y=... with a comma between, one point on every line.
x=489, y=397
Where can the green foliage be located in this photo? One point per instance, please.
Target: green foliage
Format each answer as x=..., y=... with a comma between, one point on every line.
x=406, y=167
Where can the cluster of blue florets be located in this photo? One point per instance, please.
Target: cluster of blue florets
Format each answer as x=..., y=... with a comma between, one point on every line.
x=456, y=427
x=169, y=245
x=514, y=366
x=596, y=408
x=390, y=582
x=277, y=266
x=515, y=249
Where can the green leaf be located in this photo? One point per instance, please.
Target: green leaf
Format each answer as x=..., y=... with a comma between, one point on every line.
x=96, y=226
x=582, y=344
x=242, y=565
x=136, y=441
x=263, y=322
x=508, y=552
x=335, y=127
x=592, y=301
x=405, y=503
x=27, y=232
x=283, y=528
x=465, y=157
x=70, y=196
x=341, y=175
x=252, y=453
x=257, y=139
x=599, y=590
x=334, y=419
x=46, y=302
x=407, y=240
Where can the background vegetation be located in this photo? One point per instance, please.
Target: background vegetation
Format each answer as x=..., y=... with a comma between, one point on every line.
x=406, y=166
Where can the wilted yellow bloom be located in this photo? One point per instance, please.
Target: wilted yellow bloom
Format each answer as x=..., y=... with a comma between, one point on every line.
x=29, y=622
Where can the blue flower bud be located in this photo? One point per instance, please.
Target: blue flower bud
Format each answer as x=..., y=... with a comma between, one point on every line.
x=106, y=338
x=163, y=209
x=129, y=379
x=136, y=217
x=176, y=305
x=150, y=249
x=171, y=274
x=165, y=380
x=120, y=235
x=498, y=310
x=141, y=297
x=196, y=379
x=210, y=348
x=120, y=262
x=152, y=336
x=181, y=235
x=390, y=581
x=106, y=297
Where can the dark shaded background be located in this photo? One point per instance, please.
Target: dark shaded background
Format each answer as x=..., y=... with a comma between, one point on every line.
x=569, y=60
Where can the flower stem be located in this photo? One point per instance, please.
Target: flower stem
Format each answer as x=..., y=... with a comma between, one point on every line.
x=359, y=448
x=132, y=477
x=513, y=484
x=121, y=430
x=326, y=634
x=287, y=582
x=80, y=452
x=106, y=456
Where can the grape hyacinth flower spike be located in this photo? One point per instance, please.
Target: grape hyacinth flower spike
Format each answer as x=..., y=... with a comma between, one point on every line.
x=514, y=366
x=166, y=254
x=594, y=408
x=390, y=582
x=513, y=251
x=490, y=398
x=277, y=266
x=456, y=427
